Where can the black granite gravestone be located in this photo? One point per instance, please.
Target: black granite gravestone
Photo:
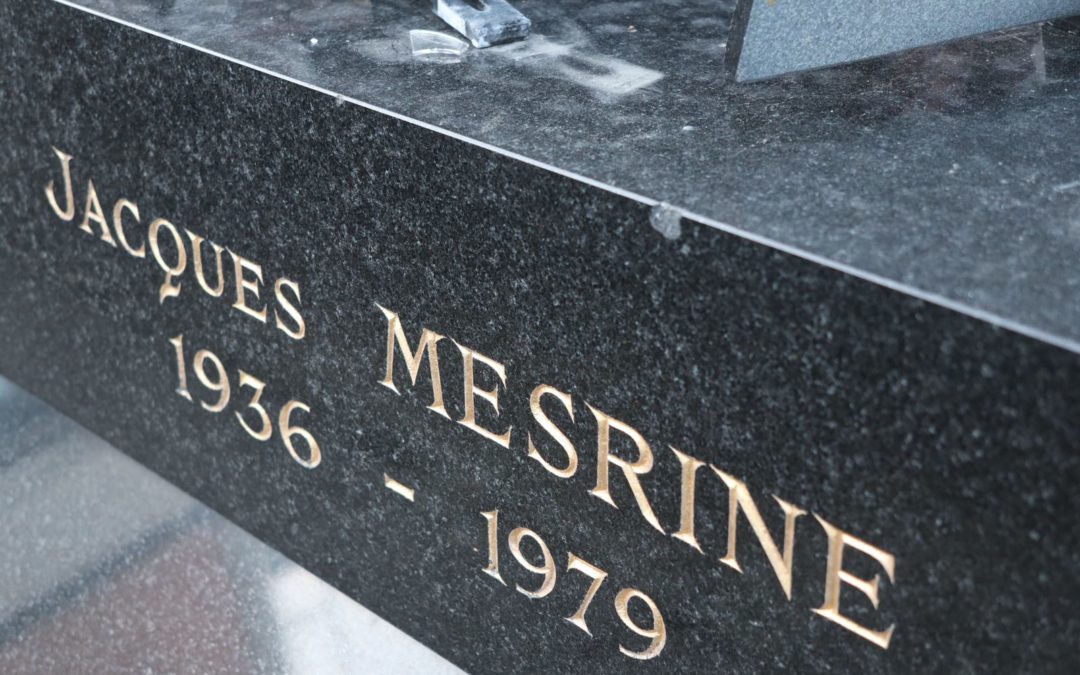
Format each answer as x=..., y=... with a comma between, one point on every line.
x=517, y=348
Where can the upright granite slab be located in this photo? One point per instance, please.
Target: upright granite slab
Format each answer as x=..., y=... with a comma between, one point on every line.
x=535, y=418
x=770, y=38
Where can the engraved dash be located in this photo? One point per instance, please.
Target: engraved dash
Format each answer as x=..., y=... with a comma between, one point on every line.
x=393, y=485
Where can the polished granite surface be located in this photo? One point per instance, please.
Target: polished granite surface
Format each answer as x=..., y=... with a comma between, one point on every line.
x=109, y=569
x=950, y=171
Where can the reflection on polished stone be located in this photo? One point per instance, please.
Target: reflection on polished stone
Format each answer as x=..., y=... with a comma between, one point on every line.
x=842, y=165
x=108, y=568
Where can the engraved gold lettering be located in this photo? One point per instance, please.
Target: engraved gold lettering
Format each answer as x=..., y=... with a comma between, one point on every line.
x=472, y=392
x=780, y=558
x=428, y=344
x=267, y=428
x=181, y=369
x=284, y=303
x=169, y=289
x=118, y=224
x=631, y=470
x=547, y=425
x=243, y=285
x=597, y=575
x=657, y=632
x=739, y=497
x=835, y=575
x=548, y=569
x=68, y=212
x=93, y=212
x=398, y=487
x=288, y=431
x=200, y=274
x=688, y=494
x=492, y=569
x=219, y=384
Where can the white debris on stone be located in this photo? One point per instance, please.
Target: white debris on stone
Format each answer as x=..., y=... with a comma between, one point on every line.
x=667, y=220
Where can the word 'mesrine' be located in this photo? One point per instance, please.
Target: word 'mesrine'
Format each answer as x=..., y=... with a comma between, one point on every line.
x=610, y=466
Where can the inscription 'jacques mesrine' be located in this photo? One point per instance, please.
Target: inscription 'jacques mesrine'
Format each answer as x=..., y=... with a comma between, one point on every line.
x=561, y=460
x=548, y=444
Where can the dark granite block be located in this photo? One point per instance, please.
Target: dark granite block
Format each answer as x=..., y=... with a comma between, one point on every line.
x=934, y=437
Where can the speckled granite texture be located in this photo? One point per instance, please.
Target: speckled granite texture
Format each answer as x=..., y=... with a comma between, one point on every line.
x=943, y=169
x=949, y=442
